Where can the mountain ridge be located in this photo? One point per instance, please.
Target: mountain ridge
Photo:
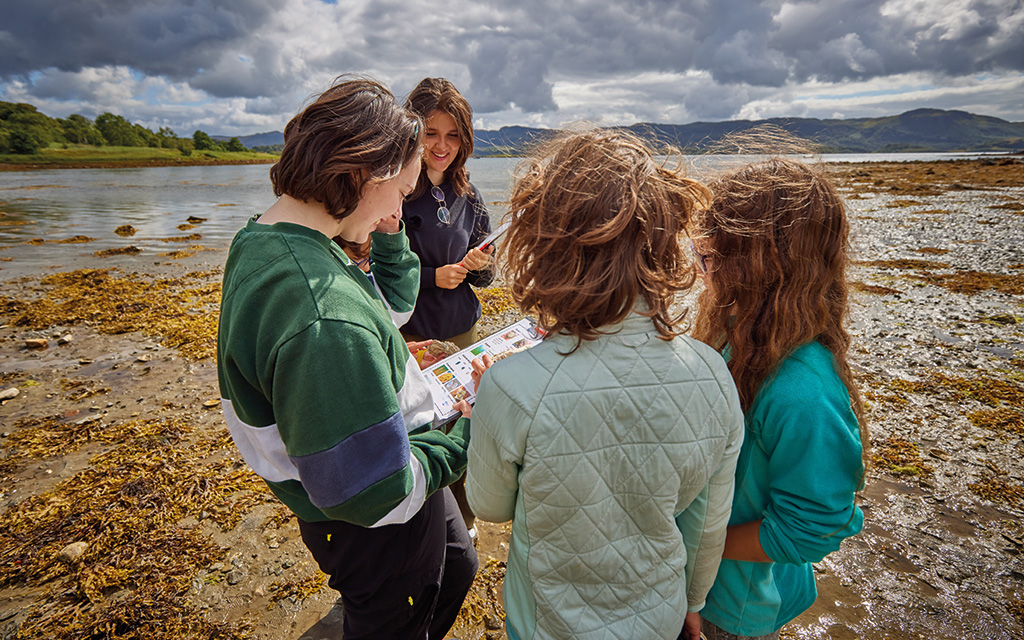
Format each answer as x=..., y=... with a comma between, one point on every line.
x=923, y=129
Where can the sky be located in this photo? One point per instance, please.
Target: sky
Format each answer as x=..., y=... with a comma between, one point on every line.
x=238, y=67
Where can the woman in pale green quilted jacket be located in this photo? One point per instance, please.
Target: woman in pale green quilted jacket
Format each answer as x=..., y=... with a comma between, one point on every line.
x=612, y=444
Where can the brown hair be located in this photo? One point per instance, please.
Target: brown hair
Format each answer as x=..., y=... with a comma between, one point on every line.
x=597, y=228
x=778, y=249
x=353, y=133
x=438, y=94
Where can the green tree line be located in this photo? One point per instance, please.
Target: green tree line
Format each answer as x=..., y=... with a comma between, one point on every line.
x=24, y=130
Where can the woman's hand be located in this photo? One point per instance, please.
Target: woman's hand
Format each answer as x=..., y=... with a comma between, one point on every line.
x=691, y=627
x=479, y=366
x=450, y=276
x=427, y=359
x=476, y=259
x=464, y=407
x=390, y=224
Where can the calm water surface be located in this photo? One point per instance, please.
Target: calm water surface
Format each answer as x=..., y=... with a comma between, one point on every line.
x=59, y=204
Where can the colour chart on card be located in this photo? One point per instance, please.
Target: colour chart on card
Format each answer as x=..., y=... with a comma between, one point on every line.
x=451, y=380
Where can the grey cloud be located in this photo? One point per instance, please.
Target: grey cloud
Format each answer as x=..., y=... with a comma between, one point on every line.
x=506, y=71
x=502, y=54
x=175, y=39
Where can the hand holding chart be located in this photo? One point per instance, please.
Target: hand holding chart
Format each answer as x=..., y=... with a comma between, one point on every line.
x=451, y=379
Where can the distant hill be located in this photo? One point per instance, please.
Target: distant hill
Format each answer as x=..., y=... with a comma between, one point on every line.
x=917, y=130
x=266, y=139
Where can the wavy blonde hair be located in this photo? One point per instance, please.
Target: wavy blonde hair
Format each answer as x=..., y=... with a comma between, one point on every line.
x=595, y=229
x=777, y=249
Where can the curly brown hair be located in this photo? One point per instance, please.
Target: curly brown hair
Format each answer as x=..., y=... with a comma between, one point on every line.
x=439, y=94
x=776, y=240
x=595, y=228
x=353, y=133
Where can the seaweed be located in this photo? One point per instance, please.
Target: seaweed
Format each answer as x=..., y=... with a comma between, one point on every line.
x=181, y=311
x=989, y=391
x=496, y=300
x=905, y=263
x=899, y=457
x=971, y=282
x=1010, y=420
x=133, y=580
x=875, y=289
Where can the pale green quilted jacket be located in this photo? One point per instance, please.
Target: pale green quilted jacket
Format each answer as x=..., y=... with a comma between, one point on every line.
x=616, y=464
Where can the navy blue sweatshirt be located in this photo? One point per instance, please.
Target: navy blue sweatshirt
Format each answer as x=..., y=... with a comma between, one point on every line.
x=443, y=313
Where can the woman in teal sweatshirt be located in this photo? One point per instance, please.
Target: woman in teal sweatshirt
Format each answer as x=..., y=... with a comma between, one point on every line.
x=773, y=251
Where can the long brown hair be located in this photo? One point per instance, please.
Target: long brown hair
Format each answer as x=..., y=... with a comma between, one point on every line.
x=776, y=240
x=595, y=228
x=438, y=94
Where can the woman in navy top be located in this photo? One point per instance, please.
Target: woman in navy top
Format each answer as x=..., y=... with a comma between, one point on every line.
x=446, y=220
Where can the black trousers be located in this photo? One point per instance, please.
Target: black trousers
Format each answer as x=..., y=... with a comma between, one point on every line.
x=403, y=581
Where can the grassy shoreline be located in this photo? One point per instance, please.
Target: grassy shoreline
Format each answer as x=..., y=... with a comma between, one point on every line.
x=87, y=157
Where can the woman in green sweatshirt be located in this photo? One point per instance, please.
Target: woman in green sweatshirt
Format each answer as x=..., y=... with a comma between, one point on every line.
x=773, y=251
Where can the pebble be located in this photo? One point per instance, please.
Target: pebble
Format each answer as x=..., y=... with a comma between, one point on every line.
x=7, y=394
x=73, y=552
x=64, y=339
x=37, y=343
x=491, y=622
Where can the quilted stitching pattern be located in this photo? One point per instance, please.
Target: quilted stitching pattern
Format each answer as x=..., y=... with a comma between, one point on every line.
x=606, y=557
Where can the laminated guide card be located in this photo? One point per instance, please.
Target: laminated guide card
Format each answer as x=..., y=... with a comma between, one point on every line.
x=450, y=380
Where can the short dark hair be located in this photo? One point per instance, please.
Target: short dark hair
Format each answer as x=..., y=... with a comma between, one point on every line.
x=439, y=94
x=353, y=133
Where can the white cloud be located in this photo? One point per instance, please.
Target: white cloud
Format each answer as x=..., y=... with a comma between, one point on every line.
x=230, y=65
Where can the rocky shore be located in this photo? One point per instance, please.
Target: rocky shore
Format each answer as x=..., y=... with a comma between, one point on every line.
x=126, y=512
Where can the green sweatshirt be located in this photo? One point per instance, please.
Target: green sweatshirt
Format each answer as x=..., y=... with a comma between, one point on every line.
x=319, y=390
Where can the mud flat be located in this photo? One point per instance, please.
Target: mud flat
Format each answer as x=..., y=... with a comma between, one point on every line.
x=125, y=510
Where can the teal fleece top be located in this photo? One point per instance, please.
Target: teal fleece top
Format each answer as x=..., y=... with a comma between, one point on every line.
x=798, y=471
x=319, y=390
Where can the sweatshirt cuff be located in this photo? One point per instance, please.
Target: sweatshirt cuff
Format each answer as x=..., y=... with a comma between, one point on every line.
x=389, y=242
x=460, y=431
x=428, y=277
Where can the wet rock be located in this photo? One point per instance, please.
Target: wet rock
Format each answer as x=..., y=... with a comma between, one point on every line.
x=491, y=622
x=37, y=343
x=65, y=339
x=442, y=348
x=73, y=552
x=7, y=394
x=234, y=577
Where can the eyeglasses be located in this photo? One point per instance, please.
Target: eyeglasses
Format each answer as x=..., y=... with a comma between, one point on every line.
x=443, y=214
x=701, y=258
